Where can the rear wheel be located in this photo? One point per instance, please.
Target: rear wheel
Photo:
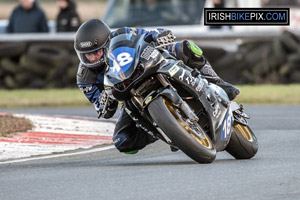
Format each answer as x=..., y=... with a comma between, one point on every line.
x=243, y=142
x=188, y=137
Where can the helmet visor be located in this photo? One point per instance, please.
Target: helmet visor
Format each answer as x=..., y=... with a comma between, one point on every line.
x=91, y=58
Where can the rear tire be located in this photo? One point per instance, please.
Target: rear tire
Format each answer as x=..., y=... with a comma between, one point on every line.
x=243, y=142
x=201, y=150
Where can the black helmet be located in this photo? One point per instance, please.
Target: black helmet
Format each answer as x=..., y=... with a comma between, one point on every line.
x=91, y=36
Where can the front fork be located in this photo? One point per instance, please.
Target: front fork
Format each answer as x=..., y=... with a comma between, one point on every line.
x=167, y=91
x=176, y=99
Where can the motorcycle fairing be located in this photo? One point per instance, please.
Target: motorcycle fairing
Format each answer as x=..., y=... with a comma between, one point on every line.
x=226, y=126
x=131, y=59
x=120, y=60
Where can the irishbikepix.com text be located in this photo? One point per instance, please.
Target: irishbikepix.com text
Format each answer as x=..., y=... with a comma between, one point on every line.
x=247, y=16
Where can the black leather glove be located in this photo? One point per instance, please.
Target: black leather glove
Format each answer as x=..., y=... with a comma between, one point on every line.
x=108, y=106
x=164, y=37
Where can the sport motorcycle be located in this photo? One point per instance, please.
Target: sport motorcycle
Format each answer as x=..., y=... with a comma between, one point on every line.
x=172, y=102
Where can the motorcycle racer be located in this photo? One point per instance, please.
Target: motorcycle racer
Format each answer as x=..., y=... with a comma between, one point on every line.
x=91, y=43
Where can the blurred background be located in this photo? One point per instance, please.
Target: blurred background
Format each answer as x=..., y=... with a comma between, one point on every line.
x=239, y=54
x=86, y=8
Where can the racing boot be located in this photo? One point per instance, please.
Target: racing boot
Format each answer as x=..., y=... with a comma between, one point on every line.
x=230, y=89
x=192, y=56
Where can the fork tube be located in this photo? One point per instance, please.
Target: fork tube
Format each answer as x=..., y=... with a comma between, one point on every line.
x=136, y=98
x=162, y=80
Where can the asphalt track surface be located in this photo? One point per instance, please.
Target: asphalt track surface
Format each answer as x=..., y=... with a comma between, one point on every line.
x=158, y=173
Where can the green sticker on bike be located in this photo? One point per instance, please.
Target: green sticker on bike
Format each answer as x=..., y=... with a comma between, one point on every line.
x=173, y=70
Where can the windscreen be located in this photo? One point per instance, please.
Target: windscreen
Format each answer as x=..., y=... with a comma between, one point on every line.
x=121, y=56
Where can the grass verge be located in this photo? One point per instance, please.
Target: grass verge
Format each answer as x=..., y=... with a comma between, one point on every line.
x=250, y=94
x=270, y=94
x=42, y=98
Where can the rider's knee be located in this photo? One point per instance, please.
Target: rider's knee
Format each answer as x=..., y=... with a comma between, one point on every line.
x=191, y=54
x=130, y=140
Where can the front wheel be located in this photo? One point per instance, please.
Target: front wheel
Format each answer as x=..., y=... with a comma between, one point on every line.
x=243, y=142
x=190, y=138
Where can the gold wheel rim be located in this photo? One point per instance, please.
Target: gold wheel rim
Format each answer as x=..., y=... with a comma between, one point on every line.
x=205, y=142
x=243, y=130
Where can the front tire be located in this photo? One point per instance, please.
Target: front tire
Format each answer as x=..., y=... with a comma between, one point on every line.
x=164, y=114
x=243, y=142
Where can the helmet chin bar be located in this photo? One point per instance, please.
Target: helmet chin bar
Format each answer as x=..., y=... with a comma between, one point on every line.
x=100, y=67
